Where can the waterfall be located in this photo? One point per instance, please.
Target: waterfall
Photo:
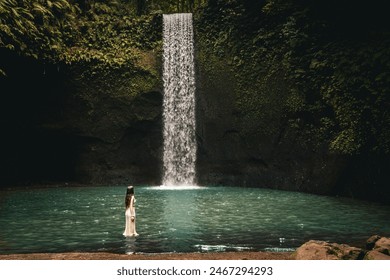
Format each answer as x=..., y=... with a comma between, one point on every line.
x=179, y=100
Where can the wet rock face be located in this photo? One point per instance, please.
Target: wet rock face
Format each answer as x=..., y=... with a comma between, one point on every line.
x=234, y=149
x=61, y=125
x=257, y=147
x=122, y=135
x=58, y=125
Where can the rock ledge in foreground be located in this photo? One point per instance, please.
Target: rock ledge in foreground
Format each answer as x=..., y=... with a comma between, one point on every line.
x=321, y=250
x=379, y=248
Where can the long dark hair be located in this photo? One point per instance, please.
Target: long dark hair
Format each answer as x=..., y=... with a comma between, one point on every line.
x=129, y=194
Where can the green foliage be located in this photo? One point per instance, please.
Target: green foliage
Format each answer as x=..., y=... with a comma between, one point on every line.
x=169, y=6
x=36, y=28
x=114, y=42
x=106, y=34
x=318, y=69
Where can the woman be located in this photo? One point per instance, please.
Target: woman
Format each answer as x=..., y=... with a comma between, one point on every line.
x=130, y=213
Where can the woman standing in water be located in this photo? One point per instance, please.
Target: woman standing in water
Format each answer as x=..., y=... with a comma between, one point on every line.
x=130, y=213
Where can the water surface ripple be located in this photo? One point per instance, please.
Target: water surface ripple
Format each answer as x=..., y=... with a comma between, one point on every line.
x=184, y=220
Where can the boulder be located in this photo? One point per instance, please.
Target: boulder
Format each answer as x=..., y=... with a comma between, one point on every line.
x=370, y=243
x=379, y=248
x=376, y=255
x=321, y=250
x=383, y=246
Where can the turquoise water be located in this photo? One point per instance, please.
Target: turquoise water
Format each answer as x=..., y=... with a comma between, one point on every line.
x=180, y=220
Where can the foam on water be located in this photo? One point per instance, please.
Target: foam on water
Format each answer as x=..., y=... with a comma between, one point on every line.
x=162, y=187
x=221, y=248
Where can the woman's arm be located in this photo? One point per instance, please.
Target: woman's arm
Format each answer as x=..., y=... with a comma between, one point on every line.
x=132, y=208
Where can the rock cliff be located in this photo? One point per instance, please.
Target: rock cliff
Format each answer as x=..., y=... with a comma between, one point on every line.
x=287, y=98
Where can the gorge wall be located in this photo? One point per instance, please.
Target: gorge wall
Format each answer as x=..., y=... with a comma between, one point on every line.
x=276, y=106
x=286, y=97
x=263, y=149
x=76, y=124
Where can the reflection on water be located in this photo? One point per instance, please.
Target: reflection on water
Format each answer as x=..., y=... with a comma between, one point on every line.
x=180, y=220
x=130, y=246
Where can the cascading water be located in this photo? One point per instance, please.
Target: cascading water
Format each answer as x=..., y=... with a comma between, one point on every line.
x=179, y=101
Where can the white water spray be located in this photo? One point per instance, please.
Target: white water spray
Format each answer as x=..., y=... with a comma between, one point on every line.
x=179, y=101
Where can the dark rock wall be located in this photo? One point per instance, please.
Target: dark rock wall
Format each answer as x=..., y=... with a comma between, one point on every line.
x=75, y=124
x=234, y=151
x=32, y=147
x=97, y=126
x=119, y=121
x=269, y=153
x=262, y=123
x=61, y=125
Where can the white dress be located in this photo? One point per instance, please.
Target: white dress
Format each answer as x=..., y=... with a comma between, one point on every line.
x=130, y=220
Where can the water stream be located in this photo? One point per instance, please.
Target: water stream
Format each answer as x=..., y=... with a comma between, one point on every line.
x=179, y=101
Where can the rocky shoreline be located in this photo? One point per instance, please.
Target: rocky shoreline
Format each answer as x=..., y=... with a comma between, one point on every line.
x=165, y=256
x=377, y=248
